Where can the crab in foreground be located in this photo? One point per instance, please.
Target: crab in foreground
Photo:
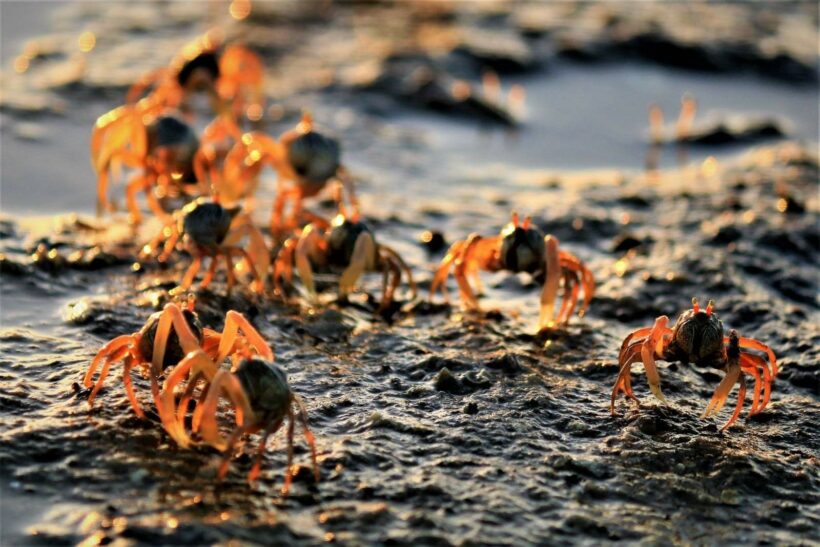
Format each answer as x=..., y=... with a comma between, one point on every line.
x=262, y=398
x=161, y=343
x=210, y=230
x=698, y=338
x=348, y=247
x=239, y=340
x=167, y=340
x=162, y=149
x=305, y=160
x=519, y=248
x=231, y=77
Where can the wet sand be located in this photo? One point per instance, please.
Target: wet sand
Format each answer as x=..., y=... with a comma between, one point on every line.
x=440, y=427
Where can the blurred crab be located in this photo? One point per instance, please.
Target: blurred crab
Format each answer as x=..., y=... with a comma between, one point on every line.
x=163, y=150
x=348, y=247
x=305, y=161
x=519, y=248
x=262, y=398
x=697, y=337
x=231, y=77
x=210, y=230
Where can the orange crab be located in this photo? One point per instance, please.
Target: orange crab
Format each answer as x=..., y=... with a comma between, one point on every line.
x=347, y=246
x=163, y=149
x=304, y=159
x=231, y=76
x=519, y=248
x=210, y=230
x=261, y=397
x=698, y=338
x=163, y=342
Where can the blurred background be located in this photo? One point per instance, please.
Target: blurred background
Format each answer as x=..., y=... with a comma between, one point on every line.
x=491, y=88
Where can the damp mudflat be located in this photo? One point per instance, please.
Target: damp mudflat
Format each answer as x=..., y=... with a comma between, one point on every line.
x=437, y=426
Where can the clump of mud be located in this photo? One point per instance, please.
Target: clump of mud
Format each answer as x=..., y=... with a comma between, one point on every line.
x=439, y=426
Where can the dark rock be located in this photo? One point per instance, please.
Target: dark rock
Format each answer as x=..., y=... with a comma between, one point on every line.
x=432, y=241
x=445, y=381
x=626, y=242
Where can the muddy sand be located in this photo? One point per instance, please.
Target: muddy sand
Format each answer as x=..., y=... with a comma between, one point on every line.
x=435, y=426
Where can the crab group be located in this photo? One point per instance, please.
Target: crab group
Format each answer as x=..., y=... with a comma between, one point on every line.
x=193, y=184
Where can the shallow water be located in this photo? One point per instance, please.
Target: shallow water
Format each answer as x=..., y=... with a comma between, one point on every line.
x=514, y=443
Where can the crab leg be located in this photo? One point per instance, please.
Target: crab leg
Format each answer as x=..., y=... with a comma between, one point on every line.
x=741, y=397
x=309, y=242
x=209, y=275
x=389, y=285
x=208, y=427
x=170, y=243
x=129, y=388
x=260, y=450
x=311, y=441
x=753, y=361
x=623, y=380
x=477, y=252
x=403, y=267
x=234, y=321
x=112, y=358
x=638, y=333
x=229, y=271
x=572, y=284
x=258, y=256
x=572, y=262
x=283, y=266
x=153, y=202
x=289, y=469
x=759, y=346
x=648, y=350
x=552, y=269
x=257, y=285
x=106, y=350
x=349, y=185
x=634, y=356
x=229, y=450
x=190, y=274
x=137, y=183
x=197, y=364
x=363, y=251
x=758, y=385
x=385, y=282
x=443, y=271
x=747, y=366
x=733, y=374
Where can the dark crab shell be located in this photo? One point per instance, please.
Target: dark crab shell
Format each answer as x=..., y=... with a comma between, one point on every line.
x=342, y=240
x=206, y=223
x=266, y=386
x=697, y=337
x=173, y=351
x=176, y=136
x=522, y=250
x=314, y=157
x=207, y=61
